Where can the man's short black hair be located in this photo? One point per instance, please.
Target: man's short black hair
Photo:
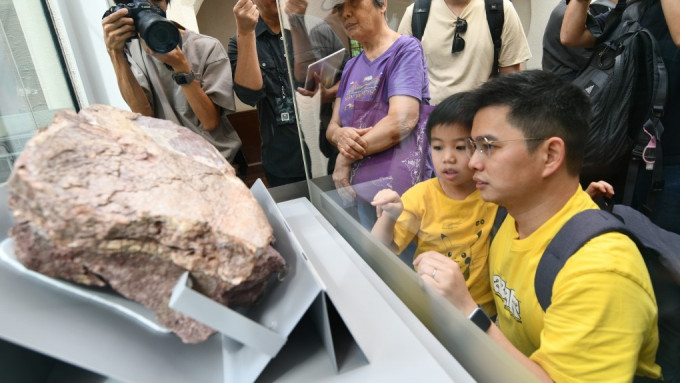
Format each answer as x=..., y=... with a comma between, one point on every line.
x=453, y=110
x=542, y=105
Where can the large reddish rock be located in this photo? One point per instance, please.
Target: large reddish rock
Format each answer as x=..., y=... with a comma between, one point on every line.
x=110, y=198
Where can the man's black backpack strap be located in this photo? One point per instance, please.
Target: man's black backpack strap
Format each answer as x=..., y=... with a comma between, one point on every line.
x=421, y=11
x=501, y=213
x=657, y=246
x=580, y=229
x=611, y=22
x=494, y=16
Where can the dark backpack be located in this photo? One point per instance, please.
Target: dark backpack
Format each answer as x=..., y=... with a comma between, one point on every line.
x=601, y=6
x=627, y=83
x=660, y=250
x=494, y=16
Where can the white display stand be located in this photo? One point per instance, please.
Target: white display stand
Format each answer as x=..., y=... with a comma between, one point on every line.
x=252, y=337
x=386, y=342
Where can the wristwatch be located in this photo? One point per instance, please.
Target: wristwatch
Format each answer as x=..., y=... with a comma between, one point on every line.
x=480, y=318
x=183, y=78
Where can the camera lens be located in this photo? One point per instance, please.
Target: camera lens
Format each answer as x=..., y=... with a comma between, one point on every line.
x=158, y=33
x=161, y=36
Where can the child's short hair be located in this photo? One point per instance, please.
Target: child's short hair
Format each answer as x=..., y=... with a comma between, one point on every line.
x=452, y=110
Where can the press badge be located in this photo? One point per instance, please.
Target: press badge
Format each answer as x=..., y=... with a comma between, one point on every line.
x=285, y=109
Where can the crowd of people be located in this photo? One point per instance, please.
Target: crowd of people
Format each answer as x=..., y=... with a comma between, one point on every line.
x=468, y=151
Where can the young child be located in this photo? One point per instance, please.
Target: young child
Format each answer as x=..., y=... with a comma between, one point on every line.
x=447, y=214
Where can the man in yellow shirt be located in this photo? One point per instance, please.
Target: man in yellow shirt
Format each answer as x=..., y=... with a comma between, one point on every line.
x=526, y=150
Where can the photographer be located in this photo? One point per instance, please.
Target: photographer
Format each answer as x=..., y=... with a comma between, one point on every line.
x=190, y=85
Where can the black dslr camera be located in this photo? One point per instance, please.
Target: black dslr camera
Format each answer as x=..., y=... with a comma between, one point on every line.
x=158, y=33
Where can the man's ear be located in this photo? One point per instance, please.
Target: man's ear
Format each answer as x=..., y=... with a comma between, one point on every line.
x=553, y=155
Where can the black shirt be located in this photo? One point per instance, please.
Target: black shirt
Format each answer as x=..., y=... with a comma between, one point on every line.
x=281, y=150
x=564, y=61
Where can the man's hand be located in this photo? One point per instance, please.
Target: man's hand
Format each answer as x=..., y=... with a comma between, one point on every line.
x=246, y=16
x=444, y=275
x=327, y=94
x=388, y=201
x=317, y=87
x=118, y=28
x=296, y=7
x=307, y=93
x=175, y=58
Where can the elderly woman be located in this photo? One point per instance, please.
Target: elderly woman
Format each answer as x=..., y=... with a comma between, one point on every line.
x=394, y=66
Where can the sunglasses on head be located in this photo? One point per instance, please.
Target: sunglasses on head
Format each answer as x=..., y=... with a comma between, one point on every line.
x=458, y=42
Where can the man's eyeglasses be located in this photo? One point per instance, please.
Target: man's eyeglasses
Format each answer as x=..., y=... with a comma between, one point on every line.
x=458, y=42
x=485, y=146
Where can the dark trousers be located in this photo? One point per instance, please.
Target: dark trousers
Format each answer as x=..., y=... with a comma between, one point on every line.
x=274, y=181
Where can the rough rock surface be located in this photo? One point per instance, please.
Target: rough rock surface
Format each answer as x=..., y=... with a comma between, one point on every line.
x=109, y=197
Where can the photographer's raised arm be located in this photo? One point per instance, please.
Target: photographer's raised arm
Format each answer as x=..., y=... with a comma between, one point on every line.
x=247, y=73
x=574, y=32
x=671, y=11
x=117, y=29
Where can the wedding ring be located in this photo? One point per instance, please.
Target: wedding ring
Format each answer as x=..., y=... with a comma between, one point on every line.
x=434, y=273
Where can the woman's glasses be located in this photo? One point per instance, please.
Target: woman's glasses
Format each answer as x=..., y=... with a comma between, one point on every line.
x=458, y=42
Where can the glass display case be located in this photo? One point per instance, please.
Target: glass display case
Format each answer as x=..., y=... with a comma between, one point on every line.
x=342, y=204
x=35, y=84
x=391, y=326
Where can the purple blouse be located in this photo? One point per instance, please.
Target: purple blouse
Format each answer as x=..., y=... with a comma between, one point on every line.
x=407, y=77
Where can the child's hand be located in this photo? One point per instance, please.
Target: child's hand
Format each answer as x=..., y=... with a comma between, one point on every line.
x=600, y=189
x=389, y=202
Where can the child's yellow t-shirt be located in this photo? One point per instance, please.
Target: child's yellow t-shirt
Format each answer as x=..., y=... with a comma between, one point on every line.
x=456, y=228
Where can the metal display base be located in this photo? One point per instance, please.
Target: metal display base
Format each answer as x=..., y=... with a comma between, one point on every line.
x=251, y=338
x=344, y=323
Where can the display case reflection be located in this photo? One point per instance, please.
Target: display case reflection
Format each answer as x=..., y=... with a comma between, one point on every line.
x=318, y=51
x=333, y=128
x=344, y=197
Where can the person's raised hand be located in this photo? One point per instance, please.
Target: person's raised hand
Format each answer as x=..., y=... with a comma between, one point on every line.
x=118, y=28
x=296, y=7
x=246, y=14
